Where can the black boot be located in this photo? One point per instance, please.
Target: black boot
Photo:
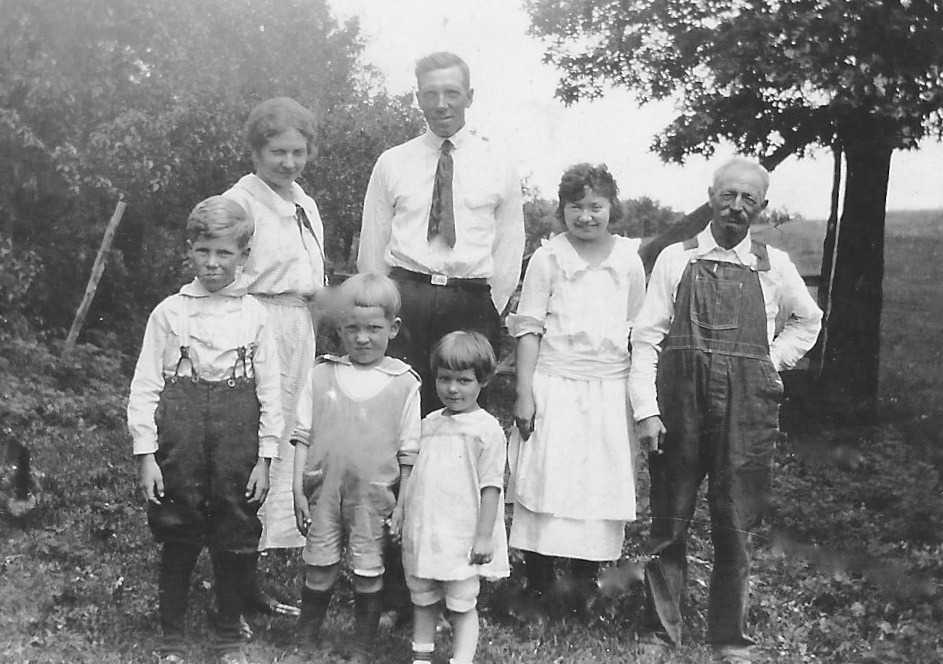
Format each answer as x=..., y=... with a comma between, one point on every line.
x=539, y=571
x=314, y=605
x=367, y=607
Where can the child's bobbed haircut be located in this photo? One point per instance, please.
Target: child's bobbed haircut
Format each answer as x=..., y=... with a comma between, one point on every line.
x=461, y=350
x=218, y=216
x=274, y=116
x=579, y=178
x=368, y=289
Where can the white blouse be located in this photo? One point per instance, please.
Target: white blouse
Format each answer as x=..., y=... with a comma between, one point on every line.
x=286, y=258
x=582, y=312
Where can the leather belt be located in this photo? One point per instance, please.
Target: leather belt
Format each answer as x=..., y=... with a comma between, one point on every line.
x=471, y=283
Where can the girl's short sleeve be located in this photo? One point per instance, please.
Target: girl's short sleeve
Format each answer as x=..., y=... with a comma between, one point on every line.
x=493, y=456
x=535, y=296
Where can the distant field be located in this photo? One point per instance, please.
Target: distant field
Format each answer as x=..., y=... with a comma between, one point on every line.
x=912, y=317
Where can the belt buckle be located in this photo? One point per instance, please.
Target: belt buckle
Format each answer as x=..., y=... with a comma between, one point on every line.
x=438, y=280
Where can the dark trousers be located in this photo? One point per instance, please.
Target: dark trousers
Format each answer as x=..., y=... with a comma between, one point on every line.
x=229, y=571
x=428, y=313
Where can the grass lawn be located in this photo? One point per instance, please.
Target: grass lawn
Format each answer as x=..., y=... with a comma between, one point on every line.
x=848, y=569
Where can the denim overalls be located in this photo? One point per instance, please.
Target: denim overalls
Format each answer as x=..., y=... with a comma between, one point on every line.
x=719, y=396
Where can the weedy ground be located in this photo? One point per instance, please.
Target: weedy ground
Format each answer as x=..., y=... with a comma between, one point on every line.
x=848, y=569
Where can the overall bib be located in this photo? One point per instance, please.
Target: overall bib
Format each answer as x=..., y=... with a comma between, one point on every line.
x=719, y=396
x=208, y=443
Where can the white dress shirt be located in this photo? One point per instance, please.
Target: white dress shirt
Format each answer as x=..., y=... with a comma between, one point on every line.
x=284, y=259
x=213, y=325
x=489, y=219
x=784, y=292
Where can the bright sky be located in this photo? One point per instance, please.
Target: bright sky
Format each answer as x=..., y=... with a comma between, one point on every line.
x=514, y=103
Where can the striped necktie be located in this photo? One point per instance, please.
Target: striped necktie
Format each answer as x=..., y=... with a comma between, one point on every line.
x=442, y=214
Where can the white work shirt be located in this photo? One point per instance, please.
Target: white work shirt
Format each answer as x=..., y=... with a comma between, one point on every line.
x=216, y=324
x=783, y=291
x=489, y=219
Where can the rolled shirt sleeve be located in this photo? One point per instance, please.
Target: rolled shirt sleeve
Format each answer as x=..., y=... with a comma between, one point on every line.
x=535, y=297
x=410, y=430
x=304, y=411
x=804, y=322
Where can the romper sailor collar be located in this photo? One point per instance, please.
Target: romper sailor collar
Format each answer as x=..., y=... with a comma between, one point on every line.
x=388, y=365
x=256, y=186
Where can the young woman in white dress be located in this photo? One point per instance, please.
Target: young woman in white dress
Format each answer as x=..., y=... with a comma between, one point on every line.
x=573, y=469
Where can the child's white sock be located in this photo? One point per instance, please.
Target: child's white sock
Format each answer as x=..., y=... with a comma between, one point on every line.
x=422, y=652
x=455, y=661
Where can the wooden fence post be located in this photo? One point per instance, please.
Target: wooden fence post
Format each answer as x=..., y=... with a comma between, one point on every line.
x=97, y=268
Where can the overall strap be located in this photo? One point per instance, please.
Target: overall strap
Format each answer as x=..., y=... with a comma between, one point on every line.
x=759, y=250
x=690, y=243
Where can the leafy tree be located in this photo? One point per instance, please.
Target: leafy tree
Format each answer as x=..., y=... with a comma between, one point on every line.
x=148, y=100
x=777, y=78
x=646, y=217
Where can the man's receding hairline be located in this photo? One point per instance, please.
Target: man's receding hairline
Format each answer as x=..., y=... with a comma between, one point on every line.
x=742, y=163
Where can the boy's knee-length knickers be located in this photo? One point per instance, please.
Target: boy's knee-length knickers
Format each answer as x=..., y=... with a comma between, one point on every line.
x=208, y=442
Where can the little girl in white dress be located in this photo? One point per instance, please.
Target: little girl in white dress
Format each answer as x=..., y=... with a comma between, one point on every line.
x=573, y=480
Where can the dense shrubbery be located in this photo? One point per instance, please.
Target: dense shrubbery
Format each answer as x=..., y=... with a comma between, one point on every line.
x=147, y=100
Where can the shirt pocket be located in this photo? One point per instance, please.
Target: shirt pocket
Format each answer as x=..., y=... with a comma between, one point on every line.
x=483, y=200
x=716, y=303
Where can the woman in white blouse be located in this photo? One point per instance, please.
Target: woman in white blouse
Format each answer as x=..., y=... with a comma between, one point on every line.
x=284, y=270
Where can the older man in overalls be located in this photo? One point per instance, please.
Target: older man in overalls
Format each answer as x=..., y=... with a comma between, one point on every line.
x=706, y=391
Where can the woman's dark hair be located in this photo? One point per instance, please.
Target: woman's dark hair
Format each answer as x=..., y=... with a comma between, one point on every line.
x=580, y=177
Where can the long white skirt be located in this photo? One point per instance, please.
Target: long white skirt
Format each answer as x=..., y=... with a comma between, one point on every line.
x=294, y=337
x=573, y=480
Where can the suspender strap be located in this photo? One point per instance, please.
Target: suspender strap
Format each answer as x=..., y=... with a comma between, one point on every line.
x=757, y=248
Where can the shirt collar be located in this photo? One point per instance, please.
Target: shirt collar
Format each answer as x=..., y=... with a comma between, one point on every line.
x=707, y=244
x=387, y=365
x=261, y=191
x=237, y=288
x=458, y=138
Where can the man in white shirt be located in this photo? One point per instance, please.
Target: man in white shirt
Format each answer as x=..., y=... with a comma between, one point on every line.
x=443, y=217
x=705, y=391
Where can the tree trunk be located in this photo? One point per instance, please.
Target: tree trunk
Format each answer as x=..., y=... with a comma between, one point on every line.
x=828, y=261
x=851, y=358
